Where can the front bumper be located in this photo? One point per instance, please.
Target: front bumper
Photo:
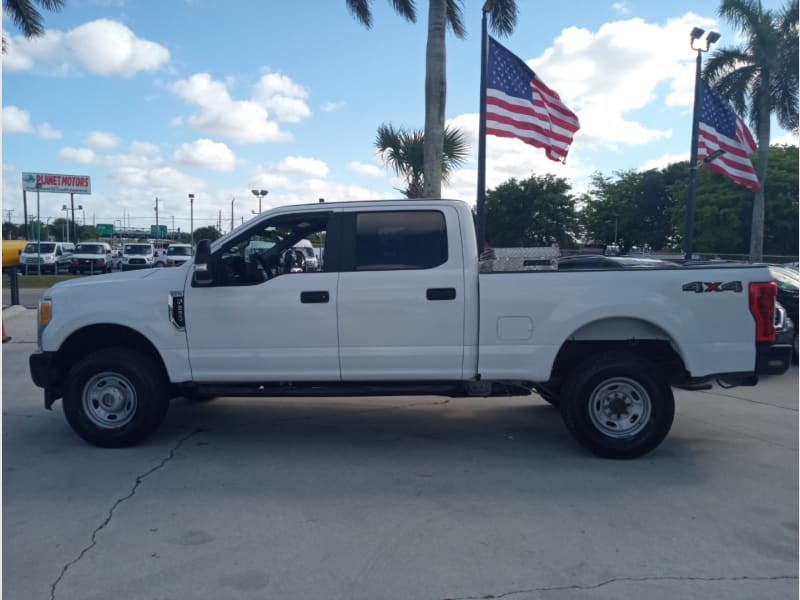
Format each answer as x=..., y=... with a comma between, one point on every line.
x=46, y=374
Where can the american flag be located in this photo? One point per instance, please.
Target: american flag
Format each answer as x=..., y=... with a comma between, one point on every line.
x=520, y=105
x=724, y=142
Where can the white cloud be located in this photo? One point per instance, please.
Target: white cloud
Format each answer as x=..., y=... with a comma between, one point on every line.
x=16, y=120
x=207, y=154
x=366, y=169
x=664, y=160
x=787, y=139
x=48, y=132
x=101, y=139
x=584, y=67
x=331, y=106
x=84, y=156
x=240, y=120
x=106, y=47
x=301, y=165
x=622, y=8
x=102, y=47
x=282, y=97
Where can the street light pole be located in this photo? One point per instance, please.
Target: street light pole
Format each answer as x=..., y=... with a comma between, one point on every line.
x=260, y=195
x=65, y=208
x=191, y=218
x=232, y=201
x=691, y=195
x=38, y=232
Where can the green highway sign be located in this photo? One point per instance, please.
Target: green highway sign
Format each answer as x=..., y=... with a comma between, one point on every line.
x=158, y=230
x=104, y=229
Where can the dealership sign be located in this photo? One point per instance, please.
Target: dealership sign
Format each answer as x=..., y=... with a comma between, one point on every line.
x=59, y=184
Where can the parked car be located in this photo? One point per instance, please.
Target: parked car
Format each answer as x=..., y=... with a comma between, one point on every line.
x=400, y=307
x=91, y=257
x=311, y=260
x=49, y=257
x=116, y=259
x=788, y=282
x=598, y=261
x=137, y=256
x=175, y=256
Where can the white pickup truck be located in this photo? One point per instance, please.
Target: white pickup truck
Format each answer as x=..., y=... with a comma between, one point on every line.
x=399, y=306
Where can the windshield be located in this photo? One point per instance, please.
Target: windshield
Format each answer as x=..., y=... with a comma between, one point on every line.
x=44, y=248
x=785, y=278
x=179, y=251
x=90, y=249
x=138, y=249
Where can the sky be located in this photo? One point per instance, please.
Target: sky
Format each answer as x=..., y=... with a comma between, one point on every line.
x=216, y=99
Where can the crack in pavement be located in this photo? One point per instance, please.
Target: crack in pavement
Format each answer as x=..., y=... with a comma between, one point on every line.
x=98, y=529
x=789, y=408
x=558, y=588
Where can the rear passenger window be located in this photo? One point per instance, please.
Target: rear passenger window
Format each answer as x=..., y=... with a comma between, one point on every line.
x=400, y=240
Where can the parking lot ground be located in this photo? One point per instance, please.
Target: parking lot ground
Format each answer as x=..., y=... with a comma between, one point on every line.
x=406, y=498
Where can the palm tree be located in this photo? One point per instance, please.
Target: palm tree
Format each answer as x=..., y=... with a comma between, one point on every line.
x=441, y=15
x=760, y=78
x=403, y=151
x=25, y=16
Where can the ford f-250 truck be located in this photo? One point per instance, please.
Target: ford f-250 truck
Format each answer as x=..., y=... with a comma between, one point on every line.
x=399, y=306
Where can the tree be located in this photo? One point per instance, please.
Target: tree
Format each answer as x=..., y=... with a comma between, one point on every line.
x=538, y=211
x=441, y=15
x=760, y=78
x=209, y=232
x=403, y=151
x=23, y=14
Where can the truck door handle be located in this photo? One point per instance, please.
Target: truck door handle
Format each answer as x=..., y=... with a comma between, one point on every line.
x=314, y=297
x=441, y=293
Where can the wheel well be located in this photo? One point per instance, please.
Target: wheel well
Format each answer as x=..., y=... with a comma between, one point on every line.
x=97, y=337
x=659, y=352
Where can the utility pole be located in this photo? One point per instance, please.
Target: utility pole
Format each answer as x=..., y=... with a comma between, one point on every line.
x=232, y=201
x=9, y=211
x=157, y=231
x=219, y=221
x=191, y=219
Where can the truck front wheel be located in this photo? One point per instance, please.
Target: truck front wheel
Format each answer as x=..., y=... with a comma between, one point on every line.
x=617, y=406
x=115, y=397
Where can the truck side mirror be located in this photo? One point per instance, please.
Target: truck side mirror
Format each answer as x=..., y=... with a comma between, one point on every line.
x=203, y=275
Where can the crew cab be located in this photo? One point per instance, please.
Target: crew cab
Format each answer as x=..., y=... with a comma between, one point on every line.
x=399, y=305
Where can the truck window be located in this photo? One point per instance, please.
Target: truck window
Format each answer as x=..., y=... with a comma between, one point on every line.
x=393, y=240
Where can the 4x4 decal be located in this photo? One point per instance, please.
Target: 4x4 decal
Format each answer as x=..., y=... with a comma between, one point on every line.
x=701, y=287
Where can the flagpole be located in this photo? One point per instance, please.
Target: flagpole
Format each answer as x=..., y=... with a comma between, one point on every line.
x=481, y=205
x=688, y=238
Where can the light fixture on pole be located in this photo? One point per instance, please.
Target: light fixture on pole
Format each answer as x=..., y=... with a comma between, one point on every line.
x=65, y=208
x=260, y=195
x=191, y=218
x=691, y=196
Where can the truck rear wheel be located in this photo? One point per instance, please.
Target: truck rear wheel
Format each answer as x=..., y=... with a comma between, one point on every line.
x=115, y=397
x=617, y=406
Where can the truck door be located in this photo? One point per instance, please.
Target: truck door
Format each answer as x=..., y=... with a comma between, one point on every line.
x=401, y=295
x=259, y=320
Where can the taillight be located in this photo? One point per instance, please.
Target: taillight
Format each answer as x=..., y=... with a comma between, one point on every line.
x=762, y=306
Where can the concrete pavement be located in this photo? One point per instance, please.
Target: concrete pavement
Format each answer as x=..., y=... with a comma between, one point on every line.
x=407, y=498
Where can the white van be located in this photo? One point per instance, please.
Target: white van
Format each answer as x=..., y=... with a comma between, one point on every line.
x=137, y=255
x=312, y=262
x=49, y=257
x=91, y=257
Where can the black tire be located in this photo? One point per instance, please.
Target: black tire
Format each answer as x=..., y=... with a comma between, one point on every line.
x=131, y=382
x=617, y=406
x=794, y=350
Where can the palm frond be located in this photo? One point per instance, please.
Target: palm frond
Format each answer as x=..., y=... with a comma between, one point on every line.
x=723, y=61
x=742, y=14
x=406, y=9
x=361, y=10
x=455, y=18
x=502, y=15
x=25, y=16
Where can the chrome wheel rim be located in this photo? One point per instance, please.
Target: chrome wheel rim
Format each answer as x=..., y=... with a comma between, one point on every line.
x=620, y=407
x=109, y=400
